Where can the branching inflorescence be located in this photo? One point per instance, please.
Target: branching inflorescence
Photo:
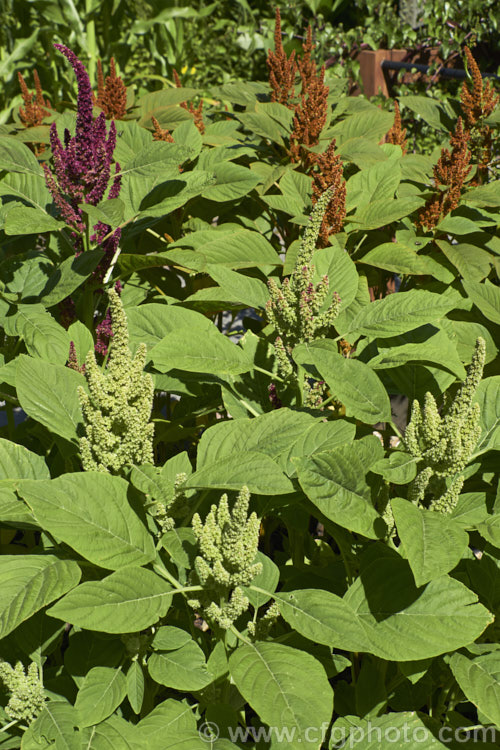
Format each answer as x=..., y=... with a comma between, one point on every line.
x=298, y=309
x=228, y=542
x=82, y=166
x=478, y=102
x=26, y=688
x=444, y=443
x=116, y=414
x=450, y=174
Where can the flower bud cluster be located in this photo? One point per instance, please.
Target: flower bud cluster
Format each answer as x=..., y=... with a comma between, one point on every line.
x=228, y=542
x=163, y=511
x=116, y=414
x=296, y=309
x=26, y=688
x=445, y=443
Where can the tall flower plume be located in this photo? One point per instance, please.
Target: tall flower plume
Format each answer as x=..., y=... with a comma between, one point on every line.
x=282, y=69
x=112, y=93
x=82, y=165
x=396, y=134
x=196, y=112
x=449, y=176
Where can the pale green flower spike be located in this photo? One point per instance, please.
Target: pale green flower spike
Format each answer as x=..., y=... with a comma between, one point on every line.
x=228, y=542
x=260, y=628
x=163, y=511
x=26, y=689
x=444, y=444
x=295, y=308
x=116, y=414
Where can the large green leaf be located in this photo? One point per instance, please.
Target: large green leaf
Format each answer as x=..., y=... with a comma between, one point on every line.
x=432, y=542
x=128, y=600
x=44, y=338
x=249, y=291
x=286, y=687
x=335, y=482
x=170, y=718
x=48, y=394
x=17, y=157
x=351, y=381
x=398, y=313
x=335, y=263
x=183, y=669
x=399, y=258
x=486, y=296
x=71, y=508
x=472, y=262
x=28, y=583
x=229, y=245
x=385, y=614
x=375, y=183
x=479, y=678
x=257, y=471
x=30, y=220
x=232, y=181
x=405, y=730
x=149, y=323
x=17, y=462
x=382, y=212
x=101, y=692
x=425, y=345
x=68, y=276
x=208, y=351
x=488, y=398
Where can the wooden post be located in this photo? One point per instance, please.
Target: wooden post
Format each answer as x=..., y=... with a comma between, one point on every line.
x=372, y=75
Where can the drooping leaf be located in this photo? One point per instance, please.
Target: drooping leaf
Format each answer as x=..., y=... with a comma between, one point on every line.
x=266, y=676
x=183, y=669
x=208, y=351
x=28, y=583
x=432, y=542
x=479, y=678
x=101, y=692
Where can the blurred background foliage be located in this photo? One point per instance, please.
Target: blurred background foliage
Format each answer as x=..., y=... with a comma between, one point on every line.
x=214, y=43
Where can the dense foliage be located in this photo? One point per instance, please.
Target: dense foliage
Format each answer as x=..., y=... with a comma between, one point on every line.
x=216, y=531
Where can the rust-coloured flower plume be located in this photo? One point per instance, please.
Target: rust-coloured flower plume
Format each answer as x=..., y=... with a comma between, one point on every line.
x=326, y=171
x=161, y=134
x=35, y=106
x=112, y=94
x=196, y=112
x=478, y=102
x=397, y=135
x=282, y=69
x=450, y=174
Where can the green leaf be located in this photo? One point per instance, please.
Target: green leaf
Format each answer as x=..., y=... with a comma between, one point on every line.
x=108, y=212
x=484, y=195
x=479, y=678
x=261, y=124
x=17, y=462
x=399, y=313
x=29, y=220
x=135, y=686
x=351, y=381
x=249, y=291
x=266, y=676
x=56, y=722
x=429, y=110
x=490, y=529
x=268, y=580
x=398, y=468
x=154, y=159
x=385, y=614
x=184, y=669
x=68, y=276
x=208, y=351
x=426, y=345
x=472, y=262
x=486, y=297
x=44, y=338
x=233, y=181
x=407, y=730
x=257, y=471
x=335, y=482
x=381, y=212
x=379, y=181
x=171, y=719
x=28, y=583
x=335, y=263
x=488, y=398
x=169, y=638
x=17, y=157
x=128, y=600
x=48, y=394
x=432, y=543
x=399, y=258
x=101, y=692
x=149, y=323
x=230, y=245
x=71, y=508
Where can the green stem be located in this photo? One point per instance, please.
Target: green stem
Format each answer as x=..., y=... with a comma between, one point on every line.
x=267, y=372
x=240, y=636
x=91, y=42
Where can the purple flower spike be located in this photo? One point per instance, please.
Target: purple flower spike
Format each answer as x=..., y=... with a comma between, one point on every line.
x=82, y=167
x=84, y=104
